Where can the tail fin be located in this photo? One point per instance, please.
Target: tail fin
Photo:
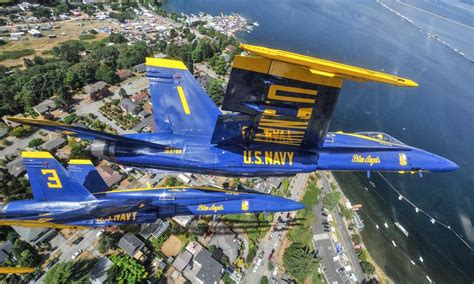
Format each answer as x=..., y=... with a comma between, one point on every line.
x=50, y=181
x=286, y=98
x=86, y=174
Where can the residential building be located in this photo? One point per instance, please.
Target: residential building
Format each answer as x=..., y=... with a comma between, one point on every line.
x=154, y=229
x=98, y=273
x=144, y=114
x=34, y=236
x=11, y=123
x=183, y=220
x=182, y=260
x=139, y=68
x=139, y=97
x=132, y=246
x=3, y=132
x=54, y=144
x=110, y=176
x=129, y=107
x=5, y=249
x=16, y=168
x=204, y=269
x=226, y=239
x=96, y=90
x=123, y=74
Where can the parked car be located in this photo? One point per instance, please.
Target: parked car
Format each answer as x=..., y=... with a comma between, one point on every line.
x=76, y=254
x=78, y=240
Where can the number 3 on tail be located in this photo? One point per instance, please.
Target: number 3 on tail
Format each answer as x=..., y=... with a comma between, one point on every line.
x=53, y=178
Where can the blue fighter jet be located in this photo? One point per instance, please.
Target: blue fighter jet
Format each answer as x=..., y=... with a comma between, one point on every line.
x=278, y=109
x=78, y=198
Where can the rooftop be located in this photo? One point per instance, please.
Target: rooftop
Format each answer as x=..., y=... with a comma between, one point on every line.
x=182, y=260
x=211, y=269
x=97, y=86
x=16, y=167
x=53, y=144
x=130, y=244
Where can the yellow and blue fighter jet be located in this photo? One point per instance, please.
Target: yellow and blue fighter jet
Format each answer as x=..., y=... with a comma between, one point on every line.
x=282, y=104
x=78, y=198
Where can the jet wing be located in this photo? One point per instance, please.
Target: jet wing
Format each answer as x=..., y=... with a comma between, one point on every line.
x=82, y=132
x=180, y=105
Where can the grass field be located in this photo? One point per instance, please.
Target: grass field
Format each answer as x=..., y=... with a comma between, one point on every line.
x=68, y=30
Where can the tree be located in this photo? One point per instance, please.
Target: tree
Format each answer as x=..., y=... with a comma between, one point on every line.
x=356, y=239
x=35, y=142
x=61, y=8
x=331, y=199
x=70, y=272
x=117, y=38
x=69, y=51
x=21, y=131
x=215, y=90
x=125, y=270
x=123, y=93
x=41, y=12
x=367, y=267
x=264, y=280
x=106, y=73
x=108, y=241
x=299, y=261
x=25, y=254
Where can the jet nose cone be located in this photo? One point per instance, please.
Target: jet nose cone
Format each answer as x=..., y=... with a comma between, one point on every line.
x=449, y=165
x=291, y=205
x=441, y=164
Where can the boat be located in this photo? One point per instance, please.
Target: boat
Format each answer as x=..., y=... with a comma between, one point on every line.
x=404, y=231
x=394, y=244
x=256, y=24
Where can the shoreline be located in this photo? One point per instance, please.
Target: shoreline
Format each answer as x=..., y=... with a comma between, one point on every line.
x=379, y=272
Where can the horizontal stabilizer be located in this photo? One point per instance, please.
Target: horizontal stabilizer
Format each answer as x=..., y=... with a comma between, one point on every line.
x=81, y=132
x=328, y=68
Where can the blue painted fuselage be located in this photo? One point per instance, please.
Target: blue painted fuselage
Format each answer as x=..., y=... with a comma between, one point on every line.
x=143, y=206
x=340, y=152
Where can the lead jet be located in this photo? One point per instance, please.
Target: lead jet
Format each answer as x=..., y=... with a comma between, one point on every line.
x=78, y=198
x=278, y=108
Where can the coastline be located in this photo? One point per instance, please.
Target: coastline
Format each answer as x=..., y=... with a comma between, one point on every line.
x=379, y=272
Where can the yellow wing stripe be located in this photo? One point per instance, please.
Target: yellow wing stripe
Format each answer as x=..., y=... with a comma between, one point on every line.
x=184, y=102
x=39, y=224
x=165, y=63
x=80, y=162
x=16, y=270
x=327, y=67
x=27, y=154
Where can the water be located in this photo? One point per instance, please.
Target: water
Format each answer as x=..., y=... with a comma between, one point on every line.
x=438, y=116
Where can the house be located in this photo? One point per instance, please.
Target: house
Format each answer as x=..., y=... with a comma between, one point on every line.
x=53, y=145
x=96, y=90
x=183, y=220
x=34, y=236
x=5, y=249
x=140, y=97
x=98, y=273
x=45, y=107
x=16, y=168
x=109, y=175
x=11, y=123
x=129, y=107
x=155, y=229
x=144, y=114
x=205, y=269
x=226, y=239
x=132, y=246
x=182, y=260
x=139, y=68
x=3, y=132
x=123, y=74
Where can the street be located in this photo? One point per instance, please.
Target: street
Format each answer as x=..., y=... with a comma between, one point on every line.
x=328, y=254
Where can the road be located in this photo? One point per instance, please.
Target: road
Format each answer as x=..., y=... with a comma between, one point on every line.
x=67, y=249
x=275, y=236
x=346, y=238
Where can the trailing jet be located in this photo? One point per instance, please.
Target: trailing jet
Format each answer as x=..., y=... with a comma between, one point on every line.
x=78, y=198
x=279, y=105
